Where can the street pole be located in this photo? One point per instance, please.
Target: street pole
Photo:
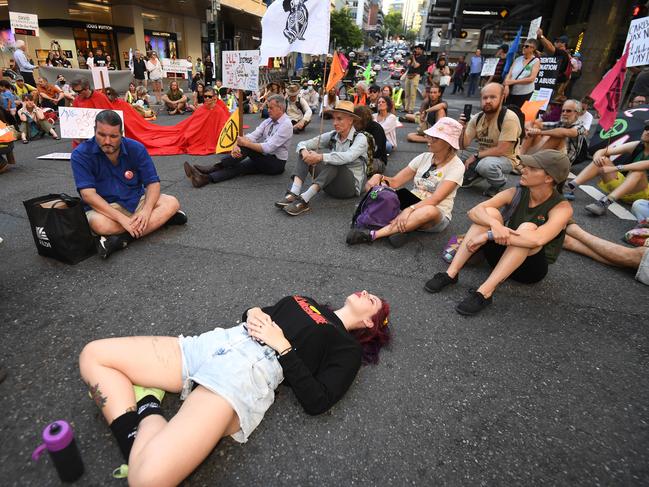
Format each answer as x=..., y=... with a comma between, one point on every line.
x=216, y=8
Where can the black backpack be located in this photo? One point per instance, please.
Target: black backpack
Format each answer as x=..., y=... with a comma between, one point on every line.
x=501, y=118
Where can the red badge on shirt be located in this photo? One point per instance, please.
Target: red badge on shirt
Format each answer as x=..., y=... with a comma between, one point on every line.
x=128, y=175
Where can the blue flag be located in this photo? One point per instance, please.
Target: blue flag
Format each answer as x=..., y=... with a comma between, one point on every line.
x=298, y=62
x=511, y=54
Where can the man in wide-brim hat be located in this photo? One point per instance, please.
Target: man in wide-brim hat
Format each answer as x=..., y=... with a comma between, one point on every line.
x=297, y=109
x=340, y=171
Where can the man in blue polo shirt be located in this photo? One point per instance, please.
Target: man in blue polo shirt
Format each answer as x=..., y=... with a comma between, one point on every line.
x=120, y=187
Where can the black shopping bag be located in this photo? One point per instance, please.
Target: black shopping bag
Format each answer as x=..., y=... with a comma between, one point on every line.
x=60, y=228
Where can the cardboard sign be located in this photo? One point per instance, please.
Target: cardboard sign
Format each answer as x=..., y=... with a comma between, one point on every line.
x=56, y=156
x=241, y=70
x=548, y=72
x=79, y=123
x=177, y=67
x=534, y=26
x=99, y=74
x=25, y=24
x=638, y=37
x=543, y=94
x=489, y=66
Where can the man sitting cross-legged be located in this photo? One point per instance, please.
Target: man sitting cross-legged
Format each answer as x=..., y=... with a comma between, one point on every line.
x=120, y=187
x=634, y=186
x=263, y=151
x=340, y=172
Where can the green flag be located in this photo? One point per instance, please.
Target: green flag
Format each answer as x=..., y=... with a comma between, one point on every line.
x=367, y=74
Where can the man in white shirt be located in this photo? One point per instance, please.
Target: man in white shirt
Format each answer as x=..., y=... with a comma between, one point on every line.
x=297, y=109
x=311, y=96
x=22, y=63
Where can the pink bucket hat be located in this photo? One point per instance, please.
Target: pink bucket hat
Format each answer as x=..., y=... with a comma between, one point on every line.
x=447, y=129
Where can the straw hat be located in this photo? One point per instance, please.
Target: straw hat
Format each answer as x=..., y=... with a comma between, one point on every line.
x=293, y=90
x=346, y=107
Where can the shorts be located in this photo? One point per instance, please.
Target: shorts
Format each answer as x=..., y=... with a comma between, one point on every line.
x=120, y=208
x=533, y=269
x=438, y=227
x=627, y=198
x=231, y=364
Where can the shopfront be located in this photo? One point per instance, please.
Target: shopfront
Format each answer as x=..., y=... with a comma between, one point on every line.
x=93, y=37
x=164, y=43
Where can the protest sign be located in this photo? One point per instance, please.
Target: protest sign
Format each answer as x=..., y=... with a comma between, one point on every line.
x=534, y=26
x=56, y=156
x=489, y=66
x=177, y=68
x=25, y=24
x=100, y=77
x=548, y=72
x=638, y=36
x=542, y=94
x=241, y=70
x=79, y=123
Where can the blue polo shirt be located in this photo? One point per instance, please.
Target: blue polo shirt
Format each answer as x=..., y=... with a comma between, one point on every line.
x=124, y=183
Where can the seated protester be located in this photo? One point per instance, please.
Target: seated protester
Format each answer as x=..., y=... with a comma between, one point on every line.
x=21, y=88
x=377, y=155
x=198, y=96
x=436, y=176
x=270, y=90
x=432, y=110
x=120, y=187
x=522, y=243
x=6, y=149
x=346, y=92
x=637, y=101
x=585, y=117
x=130, y=96
x=340, y=172
x=198, y=77
x=8, y=102
x=581, y=242
x=311, y=96
x=33, y=122
x=388, y=120
x=626, y=189
x=175, y=100
x=142, y=105
x=373, y=96
x=568, y=136
x=263, y=151
x=397, y=96
x=297, y=109
x=49, y=96
x=497, y=143
x=387, y=91
x=316, y=350
x=66, y=89
x=361, y=93
x=221, y=91
x=87, y=97
x=328, y=104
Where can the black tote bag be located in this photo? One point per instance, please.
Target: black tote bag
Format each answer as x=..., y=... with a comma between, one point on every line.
x=60, y=231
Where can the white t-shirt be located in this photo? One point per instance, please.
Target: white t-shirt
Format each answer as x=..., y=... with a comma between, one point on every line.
x=427, y=179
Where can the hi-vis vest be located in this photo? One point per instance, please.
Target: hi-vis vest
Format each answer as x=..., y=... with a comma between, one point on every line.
x=397, y=94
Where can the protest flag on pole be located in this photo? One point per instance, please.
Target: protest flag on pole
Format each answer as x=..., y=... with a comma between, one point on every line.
x=336, y=73
x=608, y=92
x=295, y=26
x=229, y=133
x=344, y=62
x=511, y=54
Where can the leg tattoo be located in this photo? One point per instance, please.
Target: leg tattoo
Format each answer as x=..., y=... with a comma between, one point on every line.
x=95, y=395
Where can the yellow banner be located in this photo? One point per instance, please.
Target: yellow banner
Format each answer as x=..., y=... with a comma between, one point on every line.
x=229, y=133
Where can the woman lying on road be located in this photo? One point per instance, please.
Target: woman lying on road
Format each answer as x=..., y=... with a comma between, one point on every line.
x=520, y=231
x=318, y=351
x=436, y=175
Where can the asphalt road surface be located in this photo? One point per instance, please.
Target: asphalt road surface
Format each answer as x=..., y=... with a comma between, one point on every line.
x=548, y=386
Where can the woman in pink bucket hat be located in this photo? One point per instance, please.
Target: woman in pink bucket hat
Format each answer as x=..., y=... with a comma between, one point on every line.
x=436, y=176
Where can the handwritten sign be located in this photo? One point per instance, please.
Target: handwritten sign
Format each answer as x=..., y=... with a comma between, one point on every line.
x=241, y=70
x=99, y=74
x=534, y=26
x=638, y=37
x=177, y=67
x=489, y=66
x=79, y=123
x=25, y=24
x=542, y=94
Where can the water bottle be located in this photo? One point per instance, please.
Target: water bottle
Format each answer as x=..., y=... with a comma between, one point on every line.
x=58, y=440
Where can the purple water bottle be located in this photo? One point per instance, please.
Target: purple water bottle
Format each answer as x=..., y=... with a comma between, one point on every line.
x=58, y=440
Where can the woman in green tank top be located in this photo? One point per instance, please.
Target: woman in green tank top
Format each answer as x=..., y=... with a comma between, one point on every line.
x=520, y=230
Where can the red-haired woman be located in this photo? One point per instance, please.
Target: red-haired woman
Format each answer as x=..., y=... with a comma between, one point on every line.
x=317, y=350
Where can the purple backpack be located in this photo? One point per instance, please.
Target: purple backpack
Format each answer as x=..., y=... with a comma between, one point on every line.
x=378, y=208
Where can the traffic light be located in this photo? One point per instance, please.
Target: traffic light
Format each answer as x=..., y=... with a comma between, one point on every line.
x=639, y=10
x=458, y=33
x=503, y=12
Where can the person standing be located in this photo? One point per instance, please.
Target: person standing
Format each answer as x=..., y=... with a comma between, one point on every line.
x=25, y=68
x=209, y=70
x=154, y=67
x=190, y=72
x=139, y=68
x=501, y=54
x=416, y=69
x=474, y=72
x=519, y=83
x=458, y=76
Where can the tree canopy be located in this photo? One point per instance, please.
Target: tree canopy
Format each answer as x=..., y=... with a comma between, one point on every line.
x=344, y=32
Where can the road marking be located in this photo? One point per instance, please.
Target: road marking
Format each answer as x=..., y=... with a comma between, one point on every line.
x=618, y=210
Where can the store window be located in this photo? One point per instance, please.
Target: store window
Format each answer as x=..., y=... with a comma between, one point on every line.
x=164, y=43
x=96, y=36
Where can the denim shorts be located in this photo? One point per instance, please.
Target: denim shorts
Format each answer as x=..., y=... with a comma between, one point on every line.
x=231, y=364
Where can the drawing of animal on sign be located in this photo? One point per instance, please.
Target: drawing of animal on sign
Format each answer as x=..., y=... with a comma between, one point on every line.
x=79, y=123
x=241, y=70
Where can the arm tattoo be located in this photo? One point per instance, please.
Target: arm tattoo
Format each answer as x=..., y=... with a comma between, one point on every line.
x=95, y=395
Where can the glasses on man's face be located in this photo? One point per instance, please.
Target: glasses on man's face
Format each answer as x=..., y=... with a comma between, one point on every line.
x=567, y=110
x=79, y=91
x=527, y=45
x=208, y=96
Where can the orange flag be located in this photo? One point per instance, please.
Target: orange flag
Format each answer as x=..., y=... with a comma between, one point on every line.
x=336, y=73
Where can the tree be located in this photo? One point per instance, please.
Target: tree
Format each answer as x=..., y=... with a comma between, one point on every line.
x=344, y=32
x=411, y=35
x=393, y=23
